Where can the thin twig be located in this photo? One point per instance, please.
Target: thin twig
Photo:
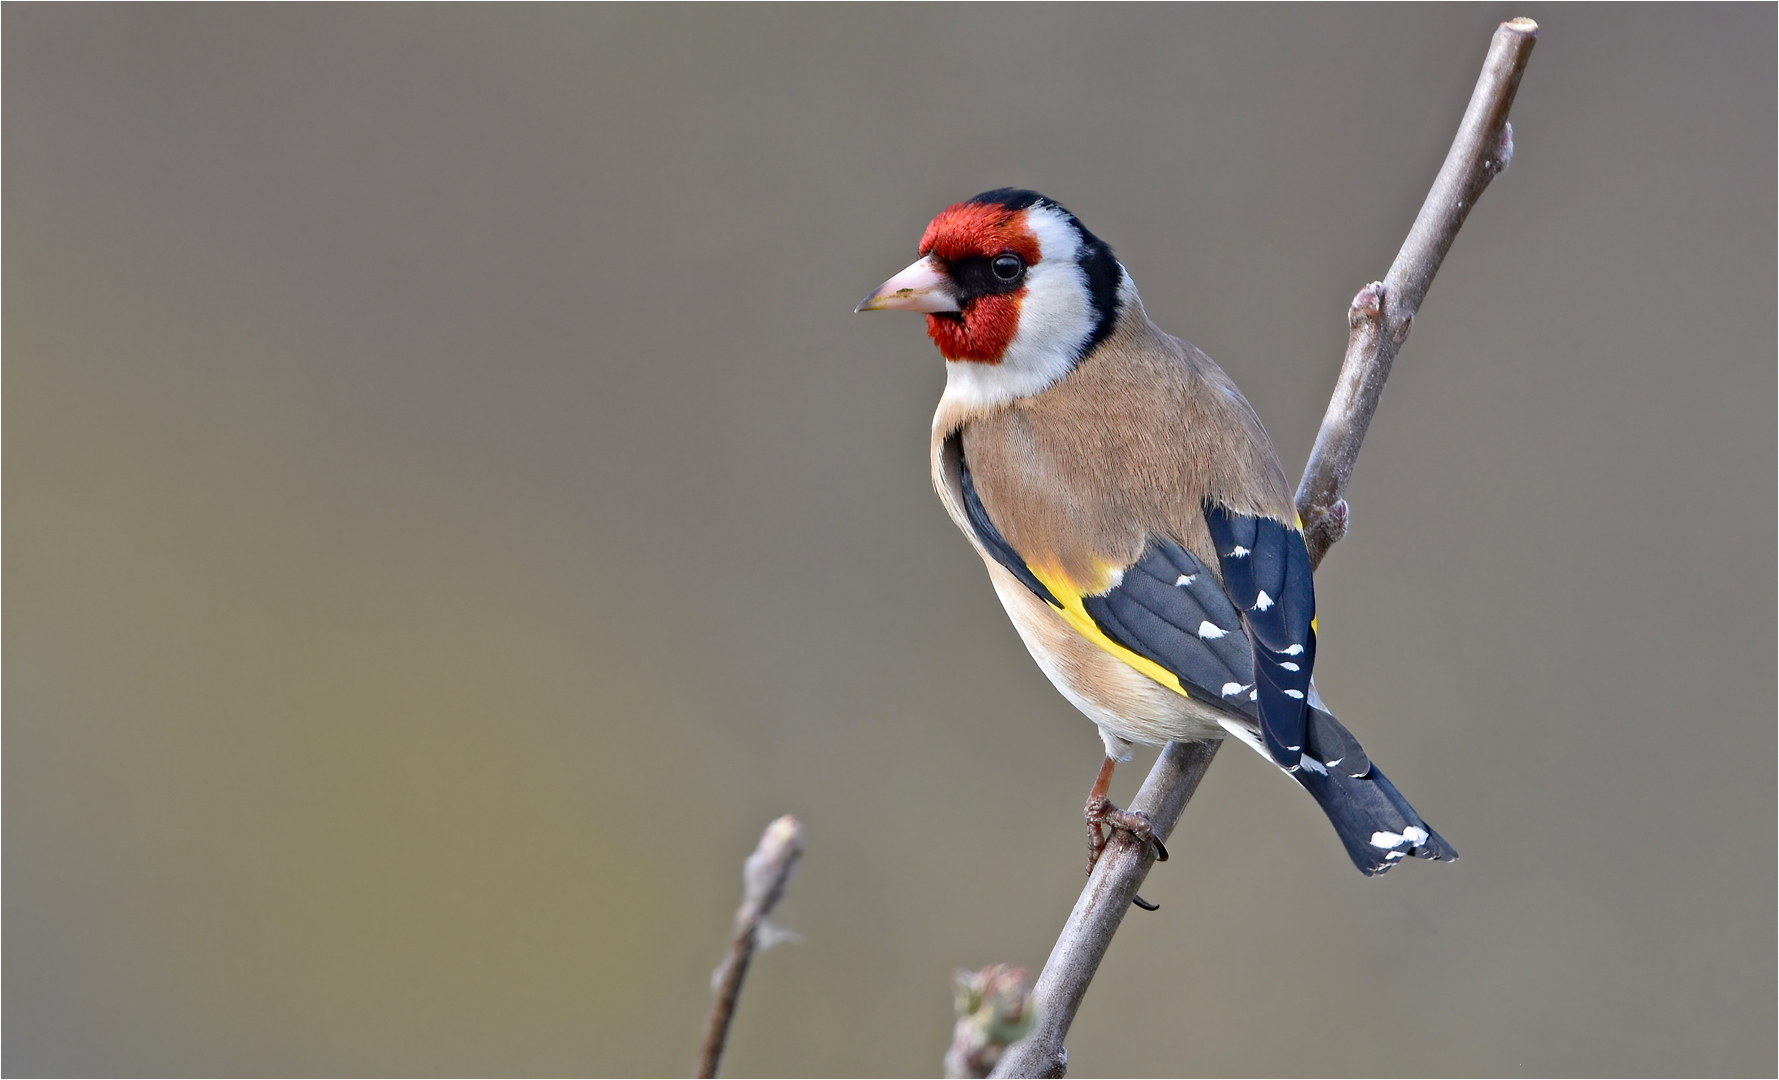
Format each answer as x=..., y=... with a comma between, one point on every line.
x=1380, y=319
x=1088, y=933
x=1383, y=312
x=763, y=879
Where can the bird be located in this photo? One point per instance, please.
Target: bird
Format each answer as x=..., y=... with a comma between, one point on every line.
x=1132, y=514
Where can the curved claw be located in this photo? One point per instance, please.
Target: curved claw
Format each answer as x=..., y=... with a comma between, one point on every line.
x=1134, y=822
x=1144, y=904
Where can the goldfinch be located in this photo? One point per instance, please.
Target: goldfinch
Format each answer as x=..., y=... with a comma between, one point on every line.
x=1132, y=514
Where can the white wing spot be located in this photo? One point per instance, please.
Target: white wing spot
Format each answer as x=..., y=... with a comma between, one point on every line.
x=1295, y=650
x=1238, y=552
x=1232, y=688
x=1313, y=765
x=1298, y=694
x=1210, y=631
x=1263, y=601
x=1254, y=694
x=1289, y=666
x=1185, y=579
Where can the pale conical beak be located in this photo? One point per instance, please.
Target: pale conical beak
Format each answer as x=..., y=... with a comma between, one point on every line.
x=925, y=286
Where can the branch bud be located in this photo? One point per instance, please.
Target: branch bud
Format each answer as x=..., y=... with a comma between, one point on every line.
x=994, y=1011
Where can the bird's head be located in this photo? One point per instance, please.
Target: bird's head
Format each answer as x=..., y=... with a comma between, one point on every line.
x=1015, y=289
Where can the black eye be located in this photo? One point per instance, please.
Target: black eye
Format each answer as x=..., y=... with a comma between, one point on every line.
x=1008, y=267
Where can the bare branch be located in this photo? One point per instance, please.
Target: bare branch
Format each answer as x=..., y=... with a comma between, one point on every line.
x=763, y=879
x=1384, y=312
x=1088, y=933
x=1380, y=318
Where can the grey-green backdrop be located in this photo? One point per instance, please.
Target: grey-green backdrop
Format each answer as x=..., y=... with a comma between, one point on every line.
x=451, y=507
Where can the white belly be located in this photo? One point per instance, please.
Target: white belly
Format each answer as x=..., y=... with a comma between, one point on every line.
x=1128, y=706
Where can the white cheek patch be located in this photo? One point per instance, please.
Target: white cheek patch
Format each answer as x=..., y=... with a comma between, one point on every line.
x=1056, y=320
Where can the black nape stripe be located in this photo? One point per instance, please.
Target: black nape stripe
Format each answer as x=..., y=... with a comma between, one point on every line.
x=1096, y=260
x=1103, y=275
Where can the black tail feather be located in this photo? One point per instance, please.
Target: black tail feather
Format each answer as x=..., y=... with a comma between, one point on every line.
x=1374, y=821
x=1333, y=745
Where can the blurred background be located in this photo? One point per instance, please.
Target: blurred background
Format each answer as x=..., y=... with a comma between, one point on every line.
x=452, y=508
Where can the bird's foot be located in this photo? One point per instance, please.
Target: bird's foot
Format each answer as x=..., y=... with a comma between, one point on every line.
x=1101, y=814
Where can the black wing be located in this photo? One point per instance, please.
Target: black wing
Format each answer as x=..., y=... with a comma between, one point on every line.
x=1170, y=609
x=1248, y=643
x=1266, y=571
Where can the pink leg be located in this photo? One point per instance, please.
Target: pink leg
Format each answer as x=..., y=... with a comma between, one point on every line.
x=1100, y=812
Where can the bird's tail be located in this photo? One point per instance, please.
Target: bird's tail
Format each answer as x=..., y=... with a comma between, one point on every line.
x=1377, y=825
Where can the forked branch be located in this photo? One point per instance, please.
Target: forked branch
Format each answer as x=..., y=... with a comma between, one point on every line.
x=1380, y=318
